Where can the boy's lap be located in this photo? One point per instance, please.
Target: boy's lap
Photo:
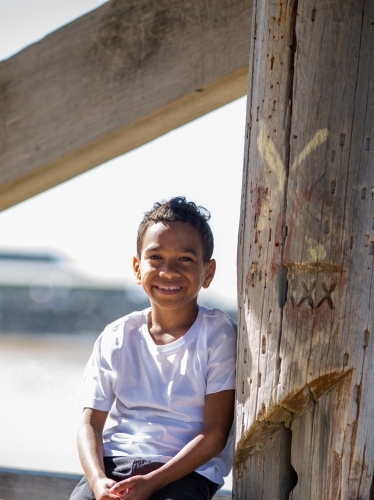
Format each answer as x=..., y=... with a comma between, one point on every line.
x=191, y=487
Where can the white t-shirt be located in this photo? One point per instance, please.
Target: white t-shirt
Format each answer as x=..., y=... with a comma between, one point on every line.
x=155, y=394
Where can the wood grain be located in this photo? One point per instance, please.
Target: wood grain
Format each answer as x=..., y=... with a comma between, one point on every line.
x=306, y=248
x=36, y=485
x=113, y=80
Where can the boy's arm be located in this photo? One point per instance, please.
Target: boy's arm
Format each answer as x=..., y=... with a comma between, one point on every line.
x=218, y=417
x=90, y=448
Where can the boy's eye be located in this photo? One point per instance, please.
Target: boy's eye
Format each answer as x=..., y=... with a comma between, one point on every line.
x=186, y=258
x=154, y=257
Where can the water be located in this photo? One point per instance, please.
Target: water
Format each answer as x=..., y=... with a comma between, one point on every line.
x=39, y=415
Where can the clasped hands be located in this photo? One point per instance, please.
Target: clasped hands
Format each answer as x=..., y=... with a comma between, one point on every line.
x=134, y=488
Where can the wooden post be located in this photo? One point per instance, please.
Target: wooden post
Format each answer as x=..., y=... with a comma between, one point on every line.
x=305, y=385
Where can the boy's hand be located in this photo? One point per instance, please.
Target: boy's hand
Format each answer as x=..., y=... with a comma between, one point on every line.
x=134, y=488
x=102, y=489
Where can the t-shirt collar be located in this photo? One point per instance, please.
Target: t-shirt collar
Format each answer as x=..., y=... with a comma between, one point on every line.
x=173, y=345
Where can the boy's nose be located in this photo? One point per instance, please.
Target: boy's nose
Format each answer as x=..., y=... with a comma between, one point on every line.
x=169, y=272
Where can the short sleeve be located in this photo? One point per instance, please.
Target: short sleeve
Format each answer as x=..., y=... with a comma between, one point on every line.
x=222, y=357
x=100, y=375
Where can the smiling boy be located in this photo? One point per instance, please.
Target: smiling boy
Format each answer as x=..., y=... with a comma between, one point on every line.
x=161, y=381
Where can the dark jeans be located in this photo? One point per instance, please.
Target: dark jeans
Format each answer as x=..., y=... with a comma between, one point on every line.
x=194, y=486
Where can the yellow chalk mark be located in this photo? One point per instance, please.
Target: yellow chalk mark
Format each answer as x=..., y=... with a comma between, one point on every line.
x=314, y=252
x=270, y=154
x=319, y=138
x=268, y=150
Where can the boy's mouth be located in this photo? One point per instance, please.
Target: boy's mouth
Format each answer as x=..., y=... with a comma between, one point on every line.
x=168, y=289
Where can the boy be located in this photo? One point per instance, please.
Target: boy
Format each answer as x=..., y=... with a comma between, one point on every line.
x=162, y=380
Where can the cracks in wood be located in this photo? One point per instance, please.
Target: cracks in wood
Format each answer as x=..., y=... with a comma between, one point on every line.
x=357, y=395
x=282, y=285
x=260, y=435
x=255, y=439
x=246, y=171
x=282, y=272
x=366, y=338
x=252, y=275
x=364, y=470
x=345, y=359
x=358, y=391
x=263, y=344
x=354, y=100
x=278, y=371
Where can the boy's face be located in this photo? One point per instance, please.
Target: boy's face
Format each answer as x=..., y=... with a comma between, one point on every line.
x=171, y=267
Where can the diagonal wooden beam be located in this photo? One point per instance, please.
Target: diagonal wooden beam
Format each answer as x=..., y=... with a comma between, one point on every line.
x=113, y=80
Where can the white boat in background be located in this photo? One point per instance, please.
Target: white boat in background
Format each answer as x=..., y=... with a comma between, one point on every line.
x=41, y=292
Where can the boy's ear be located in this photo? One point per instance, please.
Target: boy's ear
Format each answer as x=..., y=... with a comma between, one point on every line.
x=209, y=273
x=136, y=268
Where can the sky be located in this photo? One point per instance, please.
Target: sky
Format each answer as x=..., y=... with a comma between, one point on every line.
x=93, y=218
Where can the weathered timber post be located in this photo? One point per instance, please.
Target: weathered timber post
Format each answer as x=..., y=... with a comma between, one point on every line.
x=305, y=383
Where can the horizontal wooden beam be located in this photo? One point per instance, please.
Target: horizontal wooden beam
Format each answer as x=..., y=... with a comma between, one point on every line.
x=16, y=484
x=113, y=80
x=36, y=485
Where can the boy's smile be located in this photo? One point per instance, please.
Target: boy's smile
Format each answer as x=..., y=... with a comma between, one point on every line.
x=171, y=267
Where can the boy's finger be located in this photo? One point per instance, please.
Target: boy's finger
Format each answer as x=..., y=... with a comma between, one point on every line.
x=118, y=495
x=119, y=488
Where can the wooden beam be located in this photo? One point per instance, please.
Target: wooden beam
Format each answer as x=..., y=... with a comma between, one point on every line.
x=16, y=484
x=113, y=80
x=36, y=485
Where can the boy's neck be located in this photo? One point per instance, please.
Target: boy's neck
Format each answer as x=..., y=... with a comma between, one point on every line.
x=167, y=326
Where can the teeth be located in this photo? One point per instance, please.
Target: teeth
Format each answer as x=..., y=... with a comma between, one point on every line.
x=169, y=287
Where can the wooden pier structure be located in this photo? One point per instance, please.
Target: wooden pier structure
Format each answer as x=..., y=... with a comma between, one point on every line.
x=130, y=71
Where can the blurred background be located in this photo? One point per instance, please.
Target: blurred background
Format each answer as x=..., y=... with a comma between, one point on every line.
x=65, y=255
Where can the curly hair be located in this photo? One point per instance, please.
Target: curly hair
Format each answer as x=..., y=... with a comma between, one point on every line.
x=178, y=209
